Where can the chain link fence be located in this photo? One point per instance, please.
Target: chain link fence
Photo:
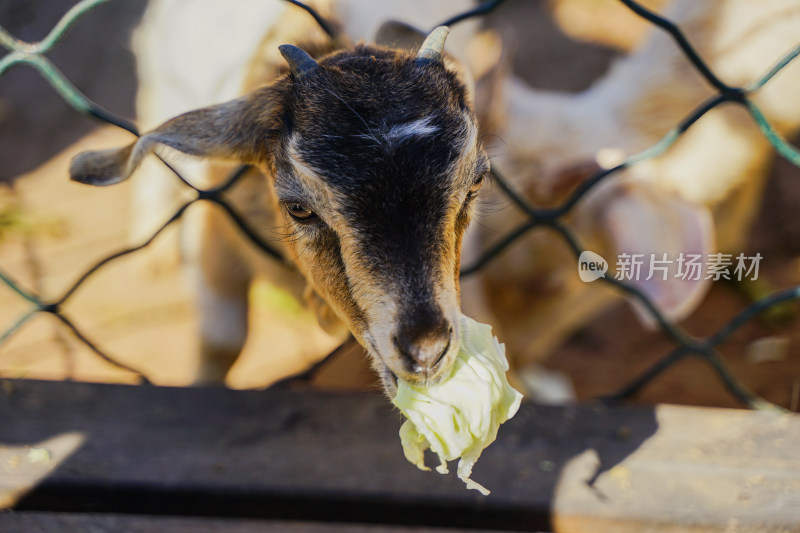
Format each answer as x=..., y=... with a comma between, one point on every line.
x=34, y=55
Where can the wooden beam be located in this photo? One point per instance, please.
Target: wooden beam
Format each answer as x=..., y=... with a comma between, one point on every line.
x=304, y=455
x=48, y=522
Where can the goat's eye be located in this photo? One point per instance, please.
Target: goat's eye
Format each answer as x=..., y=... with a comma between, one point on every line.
x=300, y=212
x=476, y=186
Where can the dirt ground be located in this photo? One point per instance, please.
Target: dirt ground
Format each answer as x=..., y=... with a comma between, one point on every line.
x=59, y=229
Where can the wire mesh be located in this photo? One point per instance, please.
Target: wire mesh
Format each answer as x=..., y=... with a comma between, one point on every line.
x=33, y=54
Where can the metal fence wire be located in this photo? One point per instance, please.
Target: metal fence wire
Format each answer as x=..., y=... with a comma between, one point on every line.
x=33, y=54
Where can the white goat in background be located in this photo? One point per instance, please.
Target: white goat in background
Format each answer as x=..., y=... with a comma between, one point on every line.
x=700, y=197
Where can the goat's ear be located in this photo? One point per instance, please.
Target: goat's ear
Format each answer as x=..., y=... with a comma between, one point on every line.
x=396, y=34
x=638, y=219
x=232, y=130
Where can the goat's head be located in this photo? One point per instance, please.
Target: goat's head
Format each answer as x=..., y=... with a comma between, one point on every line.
x=375, y=159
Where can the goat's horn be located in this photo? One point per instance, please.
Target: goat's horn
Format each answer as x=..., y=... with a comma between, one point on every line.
x=300, y=63
x=432, y=48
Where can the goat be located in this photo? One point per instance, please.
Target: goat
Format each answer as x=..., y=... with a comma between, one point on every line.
x=699, y=197
x=368, y=163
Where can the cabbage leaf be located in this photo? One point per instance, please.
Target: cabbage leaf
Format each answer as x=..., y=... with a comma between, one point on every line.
x=458, y=417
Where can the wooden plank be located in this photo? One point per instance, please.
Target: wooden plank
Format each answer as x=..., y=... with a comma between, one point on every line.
x=703, y=470
x=303, y=455
x=46, y=522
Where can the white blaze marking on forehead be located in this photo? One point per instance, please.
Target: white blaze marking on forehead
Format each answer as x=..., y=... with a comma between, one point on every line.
x=415, y=128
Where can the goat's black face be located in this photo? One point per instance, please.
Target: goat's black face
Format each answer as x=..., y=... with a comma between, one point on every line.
x=378, y=167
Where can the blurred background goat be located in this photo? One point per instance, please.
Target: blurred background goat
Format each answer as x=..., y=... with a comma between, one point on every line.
x=700, y=197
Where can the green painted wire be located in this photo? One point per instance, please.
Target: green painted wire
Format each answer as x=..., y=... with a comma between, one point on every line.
x=18, y=324
x=780, y=65
x=52, y=75
x=55, y=35
x=14, y=286
x=781, y=145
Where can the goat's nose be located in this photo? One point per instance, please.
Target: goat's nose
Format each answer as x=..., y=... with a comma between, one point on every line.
x=423, y=345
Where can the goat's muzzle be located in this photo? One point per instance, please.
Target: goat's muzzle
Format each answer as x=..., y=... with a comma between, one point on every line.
x=422, y=346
